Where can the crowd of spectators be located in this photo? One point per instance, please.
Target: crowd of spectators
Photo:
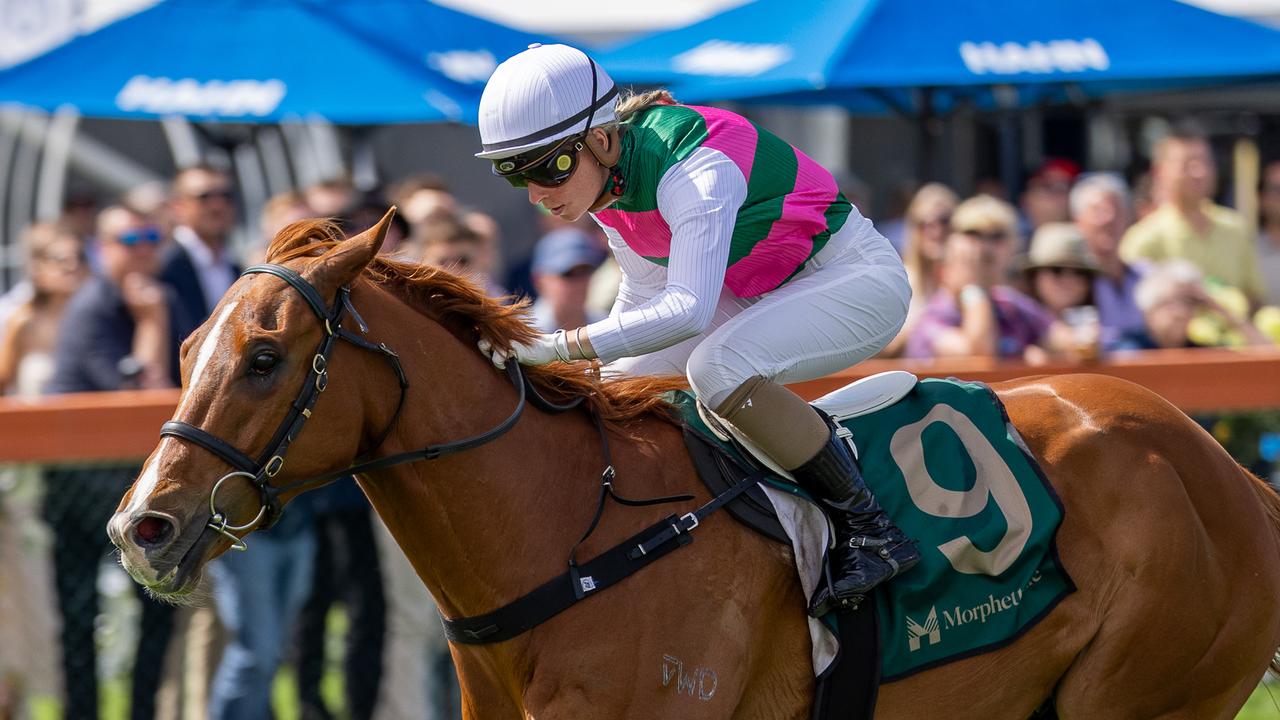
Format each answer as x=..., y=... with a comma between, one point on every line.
x=1077, y=273
x=1080, y=269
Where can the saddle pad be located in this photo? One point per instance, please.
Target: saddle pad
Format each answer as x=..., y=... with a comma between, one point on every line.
x=952, y=471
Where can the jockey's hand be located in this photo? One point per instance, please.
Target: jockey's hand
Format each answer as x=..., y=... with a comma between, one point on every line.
x=546, y=348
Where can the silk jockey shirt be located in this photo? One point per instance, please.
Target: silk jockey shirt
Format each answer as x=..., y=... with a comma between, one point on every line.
x=711, y=201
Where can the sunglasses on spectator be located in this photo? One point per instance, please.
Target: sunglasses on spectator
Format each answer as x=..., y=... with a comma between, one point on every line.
x=141, y=236
x=943, y=221
x=224, y=195
x=1058, y=271
x=991, y=236
x=542, y=167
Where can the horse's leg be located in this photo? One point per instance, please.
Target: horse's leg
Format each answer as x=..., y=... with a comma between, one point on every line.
x=1170, y=545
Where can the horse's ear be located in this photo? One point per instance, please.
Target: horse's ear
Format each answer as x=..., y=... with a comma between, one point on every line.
x=344, y=262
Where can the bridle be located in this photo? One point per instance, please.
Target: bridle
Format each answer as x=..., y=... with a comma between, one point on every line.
x=271, y=461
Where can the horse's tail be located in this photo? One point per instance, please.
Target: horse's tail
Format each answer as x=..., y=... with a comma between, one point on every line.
x=1271, y=504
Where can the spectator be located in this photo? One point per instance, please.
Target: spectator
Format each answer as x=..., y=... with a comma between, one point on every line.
x=563, y=262
x=56, y=268
x=1100, y=206
x=1269, y=232
x=1060, y=273
x=120, y=329
x=1045, y=198
x=280, y=211
x=198, y=265
x=55, y=264
x=1188, y=225
x=347, y=570
x=488, y=259
x=974, y=312
x=895, y=227
x=448, y=243
x=1170, y=296
x=332, y=198
x=199, y=270
x=259, y=595
x=1144, y=196
x=366, y=212
x=928, y=222
x=418, y=678
x=423, y=199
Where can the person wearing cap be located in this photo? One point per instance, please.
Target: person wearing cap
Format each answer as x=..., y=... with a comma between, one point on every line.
x=563, y=262
x=743, y=266
x=1045, y=199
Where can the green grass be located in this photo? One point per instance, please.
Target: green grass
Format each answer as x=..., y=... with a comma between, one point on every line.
x=113, y=699
x=1264, y=704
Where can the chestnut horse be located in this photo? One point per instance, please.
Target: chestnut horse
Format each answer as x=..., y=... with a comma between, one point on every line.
x=1174, y=548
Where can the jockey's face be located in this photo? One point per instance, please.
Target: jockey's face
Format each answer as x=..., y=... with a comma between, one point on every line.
x=576, y=196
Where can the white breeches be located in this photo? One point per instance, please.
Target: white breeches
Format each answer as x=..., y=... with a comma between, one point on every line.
x=836, y=312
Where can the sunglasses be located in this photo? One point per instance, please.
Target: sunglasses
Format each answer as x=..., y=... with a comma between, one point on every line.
x=993, y=236
x=942, y=221
x=1065, y=271
x=141, y=236
x=542, y=167
x=206, y=196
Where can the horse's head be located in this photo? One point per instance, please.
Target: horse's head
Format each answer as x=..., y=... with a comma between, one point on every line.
x=251, y=374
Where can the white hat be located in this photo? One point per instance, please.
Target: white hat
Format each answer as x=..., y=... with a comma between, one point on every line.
x=541, y=95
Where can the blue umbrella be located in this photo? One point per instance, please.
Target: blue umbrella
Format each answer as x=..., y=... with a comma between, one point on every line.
x=267, y=60
x=869, y=54
x=461, y=47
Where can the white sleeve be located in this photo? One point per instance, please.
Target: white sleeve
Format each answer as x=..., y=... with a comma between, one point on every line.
x=699, y=198
x=641, y=279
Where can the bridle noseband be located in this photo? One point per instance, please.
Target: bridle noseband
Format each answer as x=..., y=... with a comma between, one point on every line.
x=271, y=461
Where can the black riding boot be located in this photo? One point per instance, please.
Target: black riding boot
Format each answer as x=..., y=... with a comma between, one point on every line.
x=870, y=549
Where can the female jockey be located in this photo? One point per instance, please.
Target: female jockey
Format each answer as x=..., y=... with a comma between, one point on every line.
x=742, y=266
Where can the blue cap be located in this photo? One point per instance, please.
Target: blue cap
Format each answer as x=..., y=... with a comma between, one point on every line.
x=562, y=250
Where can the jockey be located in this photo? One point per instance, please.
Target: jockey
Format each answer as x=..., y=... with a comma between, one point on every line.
x=742, y=266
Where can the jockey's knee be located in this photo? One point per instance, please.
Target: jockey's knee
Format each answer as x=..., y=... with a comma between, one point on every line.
x=712, y=378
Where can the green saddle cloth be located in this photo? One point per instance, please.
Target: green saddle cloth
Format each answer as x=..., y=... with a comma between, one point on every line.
x=950, y=469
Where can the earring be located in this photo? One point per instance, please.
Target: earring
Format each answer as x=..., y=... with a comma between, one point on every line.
x=619, y=183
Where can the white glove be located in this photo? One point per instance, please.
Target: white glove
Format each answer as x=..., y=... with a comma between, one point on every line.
x=547, y=347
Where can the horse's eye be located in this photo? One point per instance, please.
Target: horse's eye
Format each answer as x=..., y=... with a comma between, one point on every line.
x=264, y=362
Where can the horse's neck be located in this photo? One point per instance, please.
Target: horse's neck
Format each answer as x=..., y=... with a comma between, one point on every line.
x=484, y=523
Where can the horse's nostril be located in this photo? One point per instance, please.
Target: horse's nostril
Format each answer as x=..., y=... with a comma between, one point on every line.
x=152, y=530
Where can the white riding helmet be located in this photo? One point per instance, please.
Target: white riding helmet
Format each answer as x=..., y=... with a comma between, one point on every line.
x=541, y=95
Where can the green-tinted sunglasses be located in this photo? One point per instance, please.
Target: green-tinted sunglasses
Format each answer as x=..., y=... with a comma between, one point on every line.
x=542, y=167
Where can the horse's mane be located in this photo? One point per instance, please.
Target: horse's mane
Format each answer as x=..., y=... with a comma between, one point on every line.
x=462, y=307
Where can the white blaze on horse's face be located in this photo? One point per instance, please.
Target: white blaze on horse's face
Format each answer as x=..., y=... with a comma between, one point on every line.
x=151, y=477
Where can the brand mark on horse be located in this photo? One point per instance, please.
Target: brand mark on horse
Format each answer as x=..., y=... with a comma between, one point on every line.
x=698, y=682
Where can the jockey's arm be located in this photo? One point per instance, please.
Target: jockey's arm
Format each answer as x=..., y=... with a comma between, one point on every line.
x=699, y=199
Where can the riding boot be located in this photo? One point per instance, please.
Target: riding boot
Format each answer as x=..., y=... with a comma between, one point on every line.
x=870, y=549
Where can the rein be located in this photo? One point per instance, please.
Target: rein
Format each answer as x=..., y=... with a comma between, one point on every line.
x=514, y=618
x=271, y=461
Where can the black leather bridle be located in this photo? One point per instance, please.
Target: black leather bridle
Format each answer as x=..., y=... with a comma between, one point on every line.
x=271, y=461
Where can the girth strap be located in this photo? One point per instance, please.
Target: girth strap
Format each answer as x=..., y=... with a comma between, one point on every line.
x=581, y=581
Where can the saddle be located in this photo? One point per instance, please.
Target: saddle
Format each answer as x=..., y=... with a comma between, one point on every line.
x=724, y=458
